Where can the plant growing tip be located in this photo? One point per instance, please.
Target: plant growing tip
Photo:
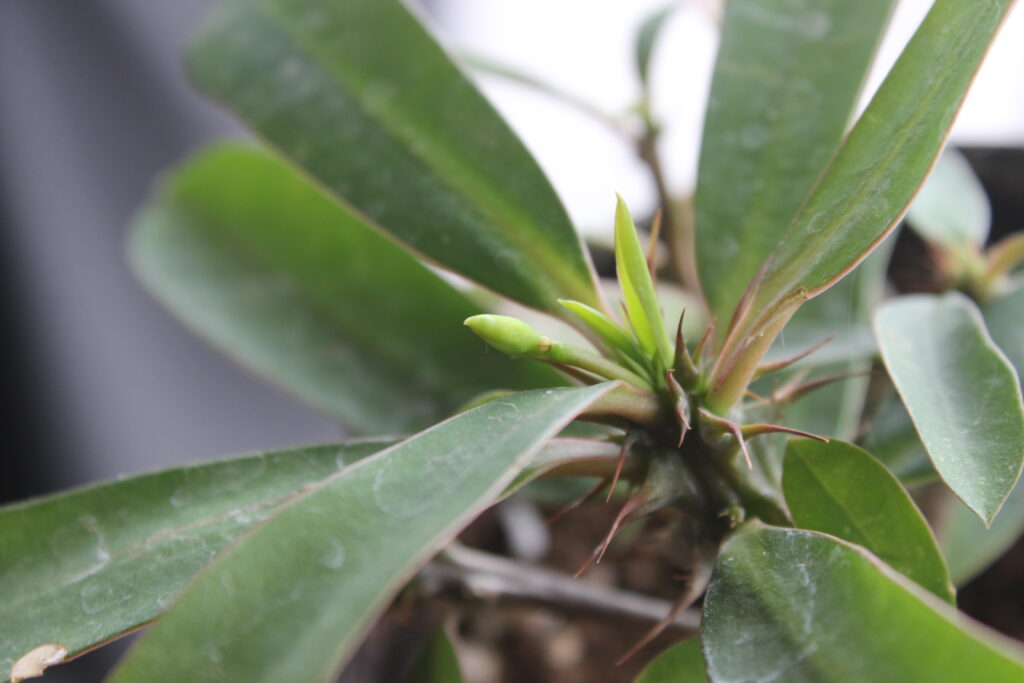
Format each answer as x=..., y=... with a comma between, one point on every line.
x=509, y=335
x=516, y=338
x=637, y=286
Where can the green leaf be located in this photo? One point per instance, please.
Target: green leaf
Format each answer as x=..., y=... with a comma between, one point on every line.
x=795, y=606
x=83, y=567
x=680, y=663
x=871, y=179
x=292, y=600
x=301, y=291
x=787, y=77
x=968, y=546
x=437, y=663
x=961, y=393
x=646, y=38
x=400, y=135
x=839, y=489
x=638, y=288
x=952, y=209
x=617, y=340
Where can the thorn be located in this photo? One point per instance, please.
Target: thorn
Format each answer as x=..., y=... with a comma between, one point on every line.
x=750, y=431
x=681, y=406
x=585, y=498
x=627, y=443
x=696, y=582
x=782, y=364
x=698, y=351
x=792, y=391
x=684, y=361
x=599, y=551
x=756, y=397
x=732, y=428
x=652, y=245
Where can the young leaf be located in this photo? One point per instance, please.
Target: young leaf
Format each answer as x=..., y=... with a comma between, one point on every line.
x=638, y=288
x=809, y=607
x=952, y=209
x=871, y=179
x=680, y=663
x=295, y=287
x=961, y=393
x=787, y=76
x=292, y=600
x=401, y=136
x=839, y=489
x=83, y=567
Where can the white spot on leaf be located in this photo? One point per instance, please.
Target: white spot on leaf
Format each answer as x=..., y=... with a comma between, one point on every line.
x=36, y=660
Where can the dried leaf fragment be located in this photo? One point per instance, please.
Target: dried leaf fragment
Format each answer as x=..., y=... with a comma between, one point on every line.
x=36, y=660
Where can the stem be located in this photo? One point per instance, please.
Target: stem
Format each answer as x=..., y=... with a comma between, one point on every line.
x=488, y=577
x=640, y=407
x=592, y=362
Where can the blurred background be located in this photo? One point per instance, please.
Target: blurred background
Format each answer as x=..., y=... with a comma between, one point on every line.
x=98, y=381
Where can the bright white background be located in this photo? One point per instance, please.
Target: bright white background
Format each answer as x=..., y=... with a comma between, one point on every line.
x=586, y=47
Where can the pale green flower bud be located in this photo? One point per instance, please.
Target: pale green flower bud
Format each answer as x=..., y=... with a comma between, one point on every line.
x=510, y=335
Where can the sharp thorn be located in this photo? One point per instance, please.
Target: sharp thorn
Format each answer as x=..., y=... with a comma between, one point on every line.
x=753, y=430
x=698, y=351
x=585, y=498
x=768, y=368
x=602, y=548
x=626, y=445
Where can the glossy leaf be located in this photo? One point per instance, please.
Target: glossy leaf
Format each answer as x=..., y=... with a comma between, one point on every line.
x=839, y=489
x=871, y=179
x=300, y=290
x=952, y=209
x=437, y=663
x=962, y=394
x=399, y=135
x=292, y=600
x=794, y=605
x=787, y=77
x=83, y=567
x=968, y=546
x=681, y=663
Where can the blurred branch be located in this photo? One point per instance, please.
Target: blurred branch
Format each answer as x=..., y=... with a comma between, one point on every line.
x=482, y=576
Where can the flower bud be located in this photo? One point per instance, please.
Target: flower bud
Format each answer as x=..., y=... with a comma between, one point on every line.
x=510, y=335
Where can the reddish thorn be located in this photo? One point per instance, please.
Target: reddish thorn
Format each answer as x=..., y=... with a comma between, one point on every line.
x=750, y=431
x=684, y=601
x=736, y=431
x=627, y=442
x=587, y=497
x=779, y=365
x=698, y=351
x=756, y=397
x=599, y=551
